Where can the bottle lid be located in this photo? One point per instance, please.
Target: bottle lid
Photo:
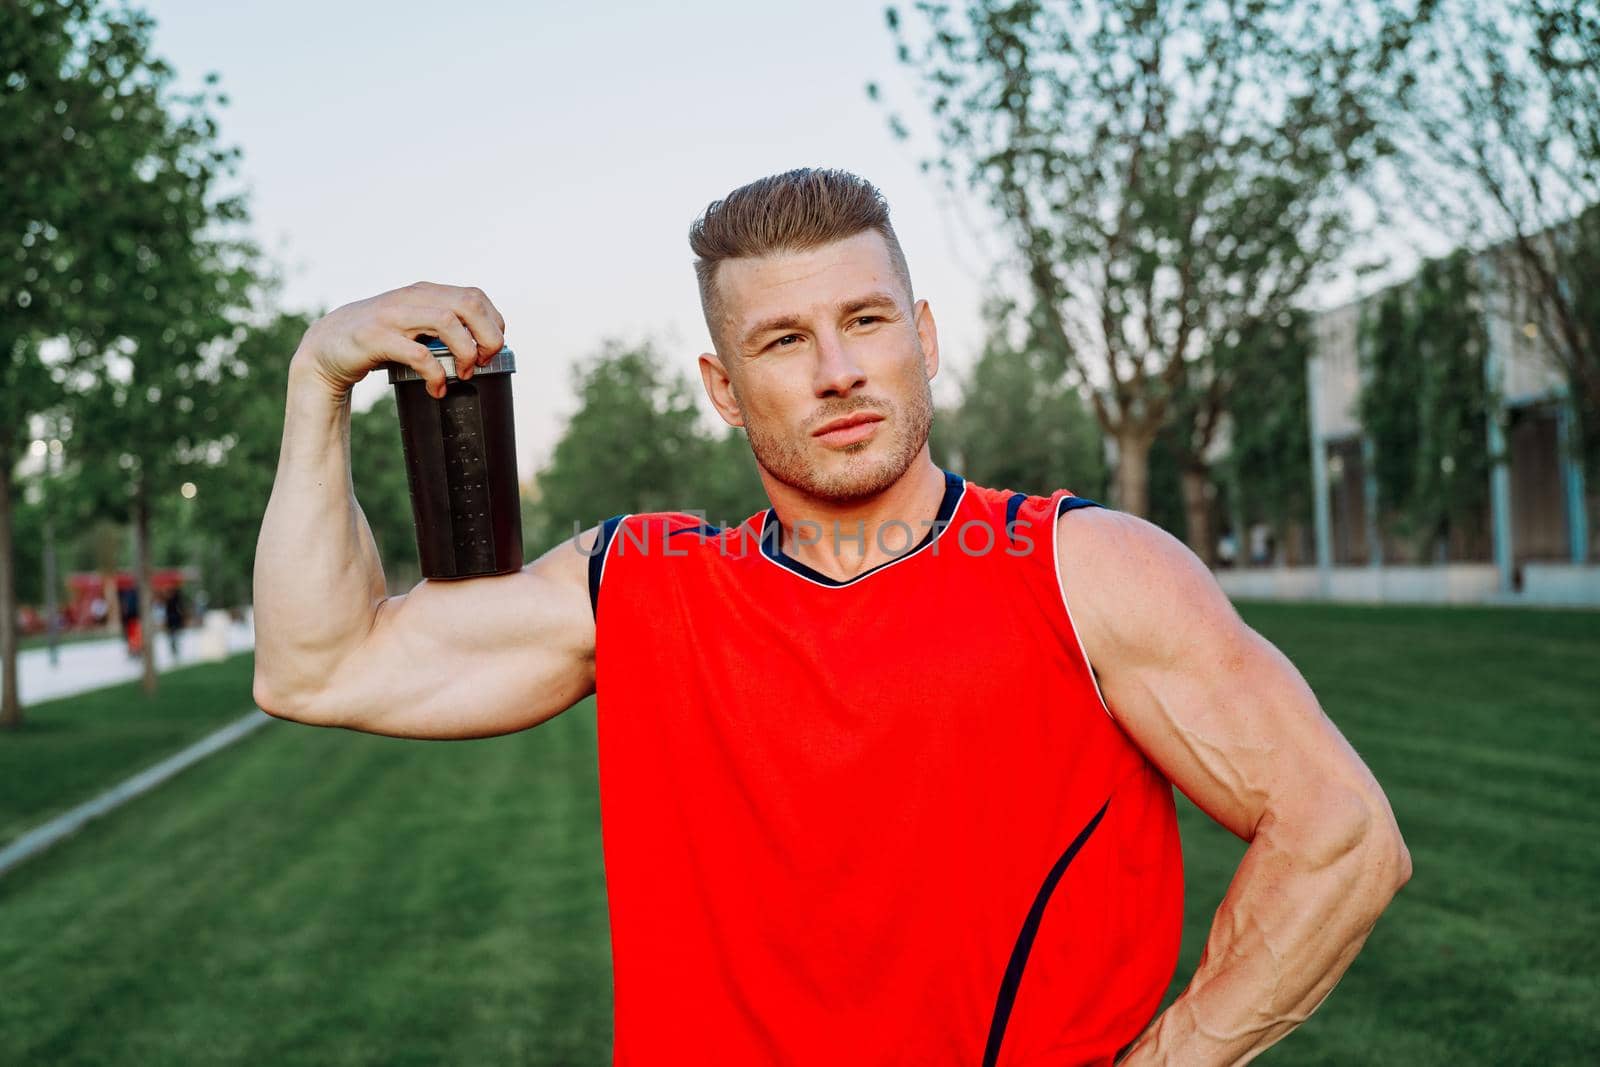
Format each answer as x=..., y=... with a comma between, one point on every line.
x=502, y=362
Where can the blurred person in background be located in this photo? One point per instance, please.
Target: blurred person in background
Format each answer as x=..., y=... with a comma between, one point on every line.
x=132, y=629
x=175, y=619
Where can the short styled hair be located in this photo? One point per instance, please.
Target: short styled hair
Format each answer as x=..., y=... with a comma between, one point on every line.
x=795, y=211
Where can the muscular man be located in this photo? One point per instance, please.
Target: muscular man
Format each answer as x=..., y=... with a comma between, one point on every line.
x=886, y=768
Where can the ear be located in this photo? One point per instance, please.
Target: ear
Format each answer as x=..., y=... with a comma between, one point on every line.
x=719, y=387
x=928, y=336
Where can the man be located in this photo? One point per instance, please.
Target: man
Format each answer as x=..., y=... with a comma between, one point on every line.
x=864, y=798
x=174, y=613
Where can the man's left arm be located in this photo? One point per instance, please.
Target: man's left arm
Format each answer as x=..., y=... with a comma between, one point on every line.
x=1232, y=724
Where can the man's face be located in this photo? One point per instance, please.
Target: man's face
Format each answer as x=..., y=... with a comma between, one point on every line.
x=808, y=338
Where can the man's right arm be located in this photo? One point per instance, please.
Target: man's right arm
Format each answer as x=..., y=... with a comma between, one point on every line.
x=450, y=659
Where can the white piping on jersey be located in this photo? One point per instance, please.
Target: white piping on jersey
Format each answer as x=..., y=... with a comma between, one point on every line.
x=772, y=514
x=1055, y=542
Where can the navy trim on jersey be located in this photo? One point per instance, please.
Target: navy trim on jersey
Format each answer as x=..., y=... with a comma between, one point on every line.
x=1013, y=505
x=703, y=528
x=771, y=540
x=1066, y=504
x=1073, y=503
x=1030, y=927
x=597, y=560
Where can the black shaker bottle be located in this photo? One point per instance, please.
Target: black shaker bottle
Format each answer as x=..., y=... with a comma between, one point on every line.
x=461, y=463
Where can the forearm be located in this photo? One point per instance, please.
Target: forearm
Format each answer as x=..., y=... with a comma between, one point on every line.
x=1306, y=895
x=318, y=577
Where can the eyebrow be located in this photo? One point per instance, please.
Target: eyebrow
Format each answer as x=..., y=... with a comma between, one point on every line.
x=794, y=322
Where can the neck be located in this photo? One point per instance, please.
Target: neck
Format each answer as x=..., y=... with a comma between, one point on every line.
x=842, y=540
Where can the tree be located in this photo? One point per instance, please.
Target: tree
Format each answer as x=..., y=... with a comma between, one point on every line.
x=1586, y=304
x=1425, y=404
x=1019, y=424
x=180, y=276
x=247, y=425
x=83, y=111
x=1171, y=172
x=633, y=445
x=1269, y=452
x=1497, y=110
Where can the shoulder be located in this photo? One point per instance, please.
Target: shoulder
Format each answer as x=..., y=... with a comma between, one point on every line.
x=626, y=547
x=643, y=531
x=1138, y=594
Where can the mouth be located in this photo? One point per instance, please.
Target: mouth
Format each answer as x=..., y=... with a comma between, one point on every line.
x=849, y=429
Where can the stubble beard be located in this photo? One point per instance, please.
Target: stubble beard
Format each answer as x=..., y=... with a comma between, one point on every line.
x=870, y=466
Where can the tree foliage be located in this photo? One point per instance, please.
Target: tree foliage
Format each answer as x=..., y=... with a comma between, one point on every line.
x=1497, y=109
x=1425, y=403
x=233, y=492
x=1170, y=173
x=636, y=444
x=1019, y=424
x=1268, y=462
x=112, y=212
x=147, y=408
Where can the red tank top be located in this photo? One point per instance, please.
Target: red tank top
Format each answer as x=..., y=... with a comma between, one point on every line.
x=880, y=821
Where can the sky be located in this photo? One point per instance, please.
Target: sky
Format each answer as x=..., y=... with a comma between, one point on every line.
x=554, y=155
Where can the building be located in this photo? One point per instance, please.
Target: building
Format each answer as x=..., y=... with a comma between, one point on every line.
x=1532, y=542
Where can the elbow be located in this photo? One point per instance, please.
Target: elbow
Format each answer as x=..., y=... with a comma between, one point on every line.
x=1385, y=856
x=267, y=698
x=313, y=706
x=1355, y=830
x=1402, y=861
x=275, y=700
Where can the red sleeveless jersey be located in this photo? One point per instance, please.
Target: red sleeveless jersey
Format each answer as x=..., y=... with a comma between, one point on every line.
x=880, y=821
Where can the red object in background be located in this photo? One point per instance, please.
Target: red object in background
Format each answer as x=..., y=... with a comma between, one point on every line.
x=83, y=588
x=135, y=633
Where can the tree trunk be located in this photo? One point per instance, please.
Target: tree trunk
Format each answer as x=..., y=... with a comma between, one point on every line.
x=1237, y=523
x=108, y=590
x=1197, y=518
x=147, y=607
x=1296, y=546
x=1133, y=469
x=106, y=547
x=10, y=704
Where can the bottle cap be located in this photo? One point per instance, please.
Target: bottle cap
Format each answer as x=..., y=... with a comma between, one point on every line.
x=502, y=362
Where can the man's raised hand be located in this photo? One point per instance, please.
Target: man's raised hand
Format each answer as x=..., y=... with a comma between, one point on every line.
x=347, y=344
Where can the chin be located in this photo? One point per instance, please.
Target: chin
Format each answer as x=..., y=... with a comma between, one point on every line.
x=856, y=472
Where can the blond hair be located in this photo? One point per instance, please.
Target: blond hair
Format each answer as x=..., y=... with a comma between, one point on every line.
x=795, y=211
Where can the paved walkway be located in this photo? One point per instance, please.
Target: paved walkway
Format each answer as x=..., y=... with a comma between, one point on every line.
x=85, y=665
x=40, y=838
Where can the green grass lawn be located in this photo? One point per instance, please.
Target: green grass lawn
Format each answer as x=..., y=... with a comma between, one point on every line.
x=318, y=897
x=70, y=749
x=1483, y=725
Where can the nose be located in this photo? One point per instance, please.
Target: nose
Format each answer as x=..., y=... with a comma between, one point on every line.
x=837, y=371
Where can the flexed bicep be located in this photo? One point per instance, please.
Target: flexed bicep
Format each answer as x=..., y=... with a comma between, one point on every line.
x=472, y=658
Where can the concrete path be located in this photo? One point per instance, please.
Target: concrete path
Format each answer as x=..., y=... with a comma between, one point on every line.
x=40, y=838
x=85, y=665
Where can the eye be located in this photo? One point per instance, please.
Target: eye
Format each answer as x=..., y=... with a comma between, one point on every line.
x=786, y=337
x=868, y=318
